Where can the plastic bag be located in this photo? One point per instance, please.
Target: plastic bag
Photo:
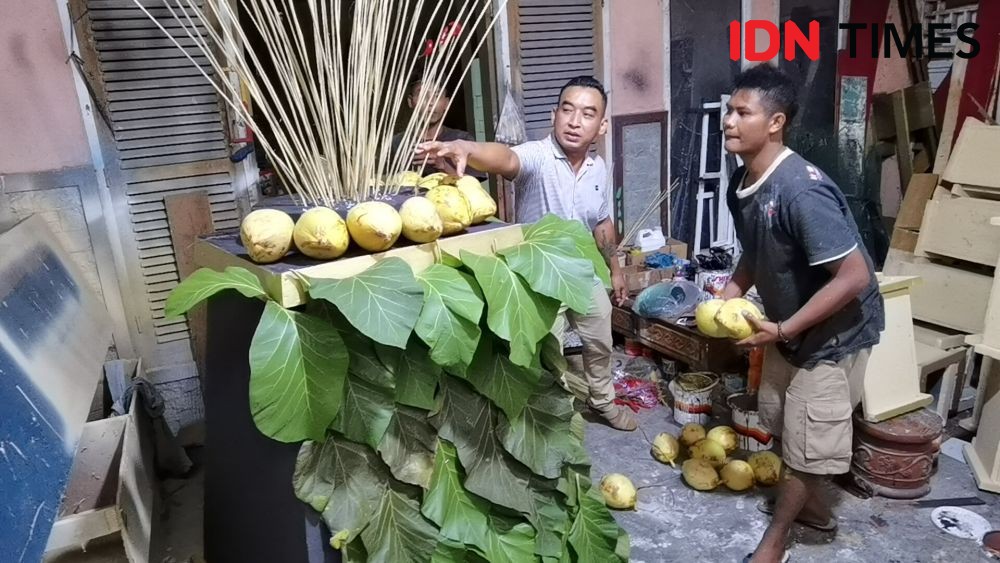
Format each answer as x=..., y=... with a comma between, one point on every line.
x=668, y=300
x=511, y=126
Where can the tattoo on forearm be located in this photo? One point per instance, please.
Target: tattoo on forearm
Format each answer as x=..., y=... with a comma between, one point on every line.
x=606, y=247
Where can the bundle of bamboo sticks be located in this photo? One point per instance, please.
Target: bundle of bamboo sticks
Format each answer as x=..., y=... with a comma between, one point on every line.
x=330, y=78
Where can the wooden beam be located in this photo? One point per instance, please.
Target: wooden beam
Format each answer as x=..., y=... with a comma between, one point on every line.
x=960, y=228
x=189, y=216
x=904, y=151
x=75, y=531
x=950, y=122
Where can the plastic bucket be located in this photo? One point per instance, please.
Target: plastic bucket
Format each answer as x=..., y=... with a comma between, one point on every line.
x=746, y=423
x=693, y=403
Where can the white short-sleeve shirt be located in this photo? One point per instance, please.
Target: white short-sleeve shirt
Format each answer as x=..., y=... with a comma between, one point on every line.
x=547, y=183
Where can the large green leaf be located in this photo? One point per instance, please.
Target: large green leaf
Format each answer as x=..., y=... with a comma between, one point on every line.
x=449, y=551
x=383, y=302
x=508, y=385
x=399, y=532
x=366, y=362
x=594, y=534
x=553, y=226
x=461, y=515
x=553, y=265
x=368, y=409
x=298, y=366
x=205, y=283
x=541, y=435
x=449, y=319
x=408, y=446
x=551, y=521
x=416, y=375
x=509, y=540
x=342, y=480
x=468, y=420
x=551, y=355
x=515, y=312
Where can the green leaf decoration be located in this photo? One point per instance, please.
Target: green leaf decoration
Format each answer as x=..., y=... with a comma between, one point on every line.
x=551, y=355
x=416, y=375
x=366, y=360
x=541, y=436
x=368, y=409
x=383, y=302
x=508, y=385
x=449, y=319
x=514, y=312
x=449, y=551
x=342, y=480
x=461, y=515
x=399, y=532
x=552, y=226
x=450, y=260
x=298, y=368
x=354, y=552
x=468, y=420
x=594, y=533
x=205, y=283
x=509, y=540
x=554, y=266
x=408, y=446
x=551, y=522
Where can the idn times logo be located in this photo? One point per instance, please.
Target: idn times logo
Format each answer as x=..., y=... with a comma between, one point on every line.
x=885, y=40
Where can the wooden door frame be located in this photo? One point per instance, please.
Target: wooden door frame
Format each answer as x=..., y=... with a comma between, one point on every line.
x=618, y=124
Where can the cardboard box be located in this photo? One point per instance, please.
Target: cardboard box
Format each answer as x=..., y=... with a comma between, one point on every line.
x=919, y=191
x=638, y=278
x=673, y=246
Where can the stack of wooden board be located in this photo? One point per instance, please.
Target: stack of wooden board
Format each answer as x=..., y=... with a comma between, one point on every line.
x=956, y=247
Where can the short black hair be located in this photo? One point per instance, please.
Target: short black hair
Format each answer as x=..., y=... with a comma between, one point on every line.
x=417, y=80
x=585, y=82
x=778, y=92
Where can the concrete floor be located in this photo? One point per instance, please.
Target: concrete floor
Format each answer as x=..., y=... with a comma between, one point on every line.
x=676, y=523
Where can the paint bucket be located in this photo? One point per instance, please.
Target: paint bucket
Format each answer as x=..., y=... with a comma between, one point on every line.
x=746, y=423
x=692, y=394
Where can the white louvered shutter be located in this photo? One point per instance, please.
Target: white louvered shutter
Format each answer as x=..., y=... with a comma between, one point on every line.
x=554, y=42
x=168, y=138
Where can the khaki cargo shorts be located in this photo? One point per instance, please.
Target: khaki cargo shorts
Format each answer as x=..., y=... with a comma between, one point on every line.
x=810, y=410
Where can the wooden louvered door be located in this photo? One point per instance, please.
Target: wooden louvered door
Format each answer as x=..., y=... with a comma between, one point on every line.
x=552, y=41
x=167, y=136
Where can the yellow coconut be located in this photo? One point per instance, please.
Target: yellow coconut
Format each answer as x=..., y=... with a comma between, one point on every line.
x=618, y=491
x=766, y=467
x=452, y=206
x=710, y=451
x=408, y=179
x=432, y=180
x=665, y=448
x=700, y=474
x=726, y=437
x=421, y=222
x=730, y=316
x=704, y=315
x=691, y=433
x=483, y=206
x=374, y=225
x=737, y=475
x=267, y=235
x=321, y=233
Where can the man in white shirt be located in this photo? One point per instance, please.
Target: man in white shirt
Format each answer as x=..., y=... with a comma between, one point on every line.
x=557, y=175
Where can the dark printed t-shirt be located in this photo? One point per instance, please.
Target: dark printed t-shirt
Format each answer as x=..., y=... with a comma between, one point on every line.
x=791, y=222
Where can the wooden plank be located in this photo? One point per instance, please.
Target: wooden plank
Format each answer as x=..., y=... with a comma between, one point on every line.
x=938, y=337
x=974, y=160
x=190, y=216
x=137, y=485
x=75, y=531
x=904, y=239
x=949, y=297
x=918, y=192
x=904, y=151
x=960, y=228
x=95, y=468
x=892, y=380
x=950, y=120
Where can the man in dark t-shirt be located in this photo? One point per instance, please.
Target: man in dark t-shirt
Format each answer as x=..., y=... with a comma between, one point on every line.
x=803, y=253
x=437, y=105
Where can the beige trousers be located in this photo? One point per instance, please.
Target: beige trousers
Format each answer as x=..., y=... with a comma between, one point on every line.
x=811, y=409
x=594, y=329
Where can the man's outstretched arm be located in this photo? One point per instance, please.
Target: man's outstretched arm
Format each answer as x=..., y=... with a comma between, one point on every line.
x=454, y=156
